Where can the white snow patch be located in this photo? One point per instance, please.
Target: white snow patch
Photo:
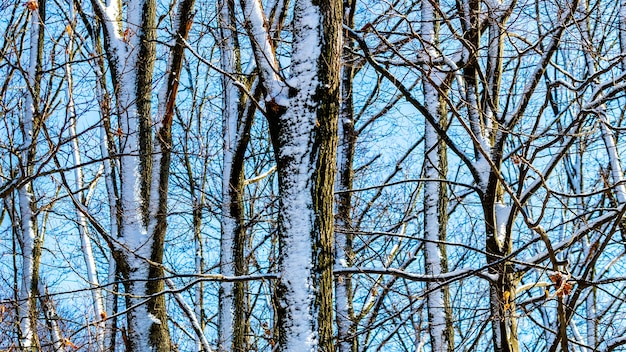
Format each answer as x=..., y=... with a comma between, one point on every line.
x=483, y=168
x=154, y=319
x=502, y=216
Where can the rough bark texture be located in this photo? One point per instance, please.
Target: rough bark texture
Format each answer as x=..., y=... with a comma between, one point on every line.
x=304, y=136
x=159, y=333
x=237, y=211
x=145, y=69
x=328, y=96
x=233, y=328
x=144, y=161
x=347, y=340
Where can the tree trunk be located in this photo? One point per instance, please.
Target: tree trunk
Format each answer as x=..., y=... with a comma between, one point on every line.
x=346, y=334
x=29, y=235
x=435, y=196
x=302, y=117
x=236, y=123
x=83, y=228
x=144, y=162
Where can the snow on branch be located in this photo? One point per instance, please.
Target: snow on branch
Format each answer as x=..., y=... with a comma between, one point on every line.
x=446, y=278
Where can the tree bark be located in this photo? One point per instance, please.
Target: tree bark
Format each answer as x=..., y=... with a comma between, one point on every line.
x=30, y=239
x=347, y=340
x=237, y=119
x=144, y=162
x=440, y=326
x=303, y=127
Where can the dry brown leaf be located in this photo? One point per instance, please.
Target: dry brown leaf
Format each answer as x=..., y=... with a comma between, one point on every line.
x=69, y=343
x=32, y=5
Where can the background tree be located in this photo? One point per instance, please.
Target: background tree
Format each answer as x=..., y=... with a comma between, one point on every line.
x=29, y=234
x=144, y=164
x=237, y=118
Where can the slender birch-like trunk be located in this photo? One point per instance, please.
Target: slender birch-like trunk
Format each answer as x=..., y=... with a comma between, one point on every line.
x=236, y=123
x=111, y=171
x=83, y=228
x=347, y=340
x=435, y=198
x=29, y=236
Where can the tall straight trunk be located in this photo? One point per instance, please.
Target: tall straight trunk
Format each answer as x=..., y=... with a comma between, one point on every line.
x=435, y=206
x=147, y=322
x=111, y=170
x=107, y=148
x=435, y=196
x=29, y=237
x=145, y=155
x=235, y=131
x=346, y=330
x=302, y=116
x=83, y=228
x=27, y=306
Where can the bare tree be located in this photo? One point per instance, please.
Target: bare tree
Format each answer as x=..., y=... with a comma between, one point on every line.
x=435, y=84
x=302, y=113
x=30, y=238
x=144, y=159
x=237, y=117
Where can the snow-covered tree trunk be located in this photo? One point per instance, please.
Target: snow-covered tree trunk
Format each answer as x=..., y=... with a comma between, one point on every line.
x=29, y=237
x=110, y=167
x=235, y=130
x=302, y=114
x=435, y=198
x=346, y=334
x=27, y=295
x=488, y=155
x=144, y=162
x=147, y=328
x=83, y=228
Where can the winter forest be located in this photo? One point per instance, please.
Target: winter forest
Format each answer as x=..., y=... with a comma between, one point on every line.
x=313, y=175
